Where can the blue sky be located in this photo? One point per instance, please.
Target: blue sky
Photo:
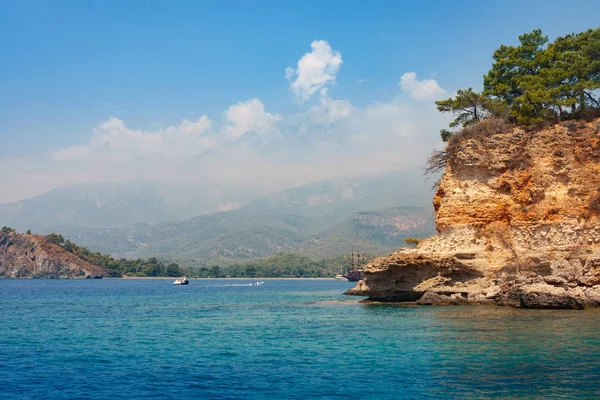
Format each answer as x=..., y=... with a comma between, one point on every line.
x=67, y=67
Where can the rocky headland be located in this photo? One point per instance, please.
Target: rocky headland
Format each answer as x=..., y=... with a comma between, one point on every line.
x=33, y=256
x=518, y=221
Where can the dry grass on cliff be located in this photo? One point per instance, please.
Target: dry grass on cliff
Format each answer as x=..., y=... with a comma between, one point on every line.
x=438, y=159
x=487, y=127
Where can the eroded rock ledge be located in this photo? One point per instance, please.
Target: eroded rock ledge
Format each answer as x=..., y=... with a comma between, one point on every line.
x=517, y=215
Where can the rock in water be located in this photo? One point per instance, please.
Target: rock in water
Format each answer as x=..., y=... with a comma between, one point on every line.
x=518, y=221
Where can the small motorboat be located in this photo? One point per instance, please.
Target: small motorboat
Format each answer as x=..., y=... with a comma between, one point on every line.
x=181, y=281
x=257, y=283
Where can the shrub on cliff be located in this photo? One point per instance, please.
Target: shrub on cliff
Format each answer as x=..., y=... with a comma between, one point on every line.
x=412, y=241
x=55, y=238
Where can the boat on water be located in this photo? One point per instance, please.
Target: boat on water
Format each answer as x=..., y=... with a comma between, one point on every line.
x=353, y=273
x=340, y=277
x=257, y=283
x=181, y=281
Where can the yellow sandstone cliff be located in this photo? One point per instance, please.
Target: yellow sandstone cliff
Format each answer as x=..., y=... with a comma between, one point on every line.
x=518, y=220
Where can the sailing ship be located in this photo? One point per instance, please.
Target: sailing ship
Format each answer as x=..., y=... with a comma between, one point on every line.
x=353, y=272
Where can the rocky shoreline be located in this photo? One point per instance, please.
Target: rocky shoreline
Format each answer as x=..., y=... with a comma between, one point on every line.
x=568, y=286
x=33, y=256
x=518, y=220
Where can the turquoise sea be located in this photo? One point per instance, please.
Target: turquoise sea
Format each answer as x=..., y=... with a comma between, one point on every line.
x=292, y=339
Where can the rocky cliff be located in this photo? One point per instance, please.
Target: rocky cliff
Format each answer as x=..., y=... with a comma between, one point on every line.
x=33, y=256
x=518, y=221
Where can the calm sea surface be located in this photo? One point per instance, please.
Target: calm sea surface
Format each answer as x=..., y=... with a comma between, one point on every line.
x=111, y=339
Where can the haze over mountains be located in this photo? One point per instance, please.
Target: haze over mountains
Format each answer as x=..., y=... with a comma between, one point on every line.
x=203, y=225
x=110, y=205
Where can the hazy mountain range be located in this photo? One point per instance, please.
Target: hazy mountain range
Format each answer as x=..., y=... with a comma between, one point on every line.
x=109, y=205
x=204, y=225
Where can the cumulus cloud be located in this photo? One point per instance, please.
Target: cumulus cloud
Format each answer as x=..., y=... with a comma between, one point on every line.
x=250, y=117
x=331, y=138
x=427, y=89
x=315, y=70
x=112, y=138
x=334, y=109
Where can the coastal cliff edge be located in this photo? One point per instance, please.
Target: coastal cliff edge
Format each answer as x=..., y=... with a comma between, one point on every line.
x=518, y=221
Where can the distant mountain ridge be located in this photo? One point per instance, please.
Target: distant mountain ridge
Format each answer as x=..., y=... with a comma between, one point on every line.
x=110, y=205
x=340, y=195
x=224, y=238
x=371, y=231
x=320, y=220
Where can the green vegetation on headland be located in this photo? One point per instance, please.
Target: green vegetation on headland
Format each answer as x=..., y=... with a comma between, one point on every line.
x=118, y=268
x=534, y=83
x=282, y=265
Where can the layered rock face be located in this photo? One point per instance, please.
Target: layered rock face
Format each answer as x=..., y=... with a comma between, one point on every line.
x=518, y=220
x=32, y=256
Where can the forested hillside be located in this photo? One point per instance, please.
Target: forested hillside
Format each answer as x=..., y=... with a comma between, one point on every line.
x=319, y=220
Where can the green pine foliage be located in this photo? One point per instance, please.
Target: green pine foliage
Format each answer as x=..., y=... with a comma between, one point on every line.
x=469, y=107
x=535, y=82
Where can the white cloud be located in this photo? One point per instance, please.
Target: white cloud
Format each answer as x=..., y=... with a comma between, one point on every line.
x=335, y=109
x=200, y=126
x=331, y=138
x=250, y=117
x=315, y=70
x=427, y=89
x=112, y=138
x=71, y=153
